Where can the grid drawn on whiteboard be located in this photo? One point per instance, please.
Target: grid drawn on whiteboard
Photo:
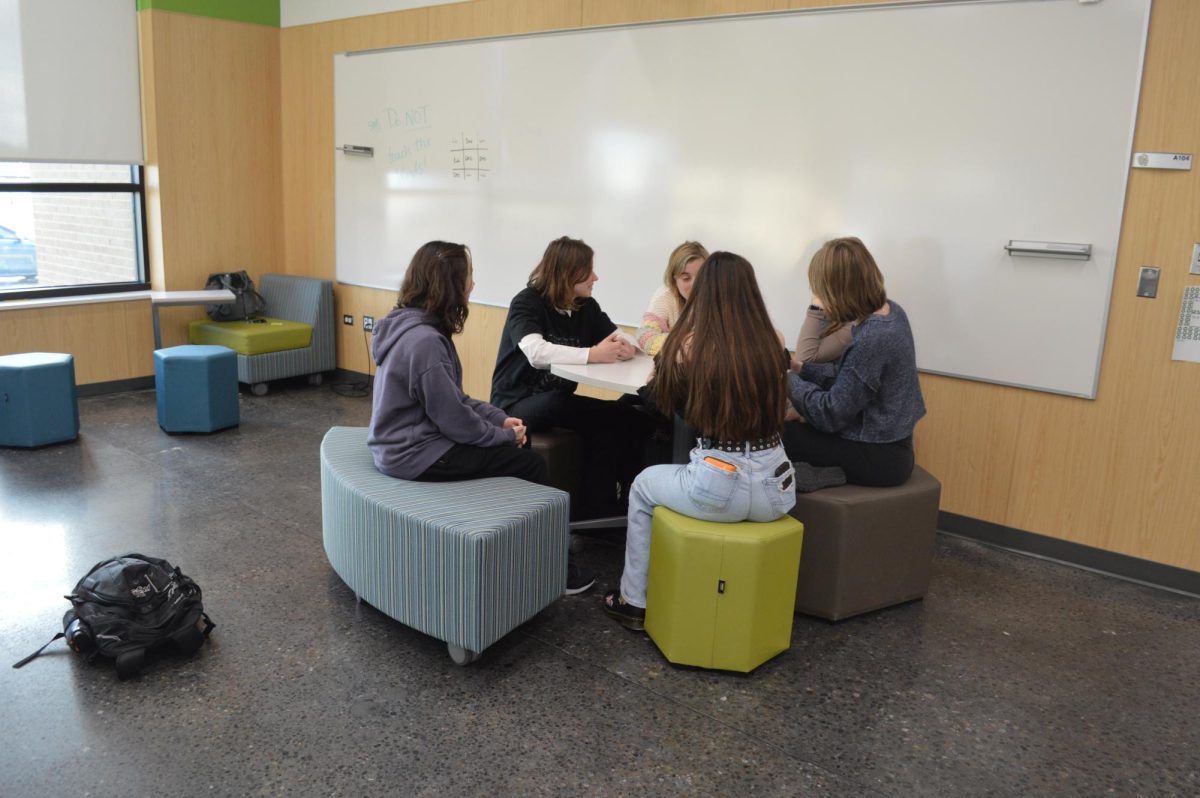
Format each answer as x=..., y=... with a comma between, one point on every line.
x=468, y=157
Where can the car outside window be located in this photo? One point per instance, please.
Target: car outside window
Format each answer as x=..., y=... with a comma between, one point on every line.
x=71, y=229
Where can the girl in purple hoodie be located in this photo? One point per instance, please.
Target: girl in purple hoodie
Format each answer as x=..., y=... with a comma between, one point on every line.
x=423, y=426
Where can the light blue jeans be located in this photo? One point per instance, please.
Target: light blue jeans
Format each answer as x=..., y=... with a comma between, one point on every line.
x=701, y=490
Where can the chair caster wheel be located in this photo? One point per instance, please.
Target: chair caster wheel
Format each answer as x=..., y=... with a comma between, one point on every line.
x=315, y=379
x=460, y=655
x=259, y=389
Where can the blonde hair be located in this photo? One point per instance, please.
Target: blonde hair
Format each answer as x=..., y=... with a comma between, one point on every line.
x=843, y=275
x=681, y=256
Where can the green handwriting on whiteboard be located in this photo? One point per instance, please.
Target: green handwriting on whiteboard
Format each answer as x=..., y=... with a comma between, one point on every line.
x=416, y=117
x=411, y=157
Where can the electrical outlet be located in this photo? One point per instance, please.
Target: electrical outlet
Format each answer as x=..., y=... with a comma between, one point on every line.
x=1195, y=259
x=368, y=323
x=348, y=320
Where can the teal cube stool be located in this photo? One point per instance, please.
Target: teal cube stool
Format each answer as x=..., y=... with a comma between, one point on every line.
x=37, y=399
x=197, y=388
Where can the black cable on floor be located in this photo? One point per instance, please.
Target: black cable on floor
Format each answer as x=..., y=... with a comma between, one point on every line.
x=361, y=388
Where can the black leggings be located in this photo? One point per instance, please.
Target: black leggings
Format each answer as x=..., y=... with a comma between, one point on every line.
x=477, y=462
x=876, y=465
x=614, y=436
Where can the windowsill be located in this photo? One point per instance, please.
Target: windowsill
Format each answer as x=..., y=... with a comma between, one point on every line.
x=81, y=299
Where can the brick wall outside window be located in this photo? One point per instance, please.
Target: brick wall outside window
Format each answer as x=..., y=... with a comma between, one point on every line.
x=83, y=238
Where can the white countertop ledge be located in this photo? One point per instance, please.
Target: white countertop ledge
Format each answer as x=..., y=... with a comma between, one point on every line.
x=80, y=299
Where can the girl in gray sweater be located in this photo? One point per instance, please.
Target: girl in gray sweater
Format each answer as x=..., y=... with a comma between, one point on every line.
x=423, y=426
x=859, y=411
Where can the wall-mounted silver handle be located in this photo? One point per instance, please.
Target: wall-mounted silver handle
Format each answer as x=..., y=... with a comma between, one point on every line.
x=1049, y=249
x=355, y=149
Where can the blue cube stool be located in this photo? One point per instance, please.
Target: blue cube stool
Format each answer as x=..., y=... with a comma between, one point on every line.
x=37, y=399
x=197, y=388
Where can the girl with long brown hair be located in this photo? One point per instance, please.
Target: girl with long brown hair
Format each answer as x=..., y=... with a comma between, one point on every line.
x=723, y=368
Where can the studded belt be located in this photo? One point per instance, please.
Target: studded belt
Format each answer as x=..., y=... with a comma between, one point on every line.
x=757, y=445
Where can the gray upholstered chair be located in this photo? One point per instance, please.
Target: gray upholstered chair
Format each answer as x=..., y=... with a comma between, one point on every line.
x=302, y=299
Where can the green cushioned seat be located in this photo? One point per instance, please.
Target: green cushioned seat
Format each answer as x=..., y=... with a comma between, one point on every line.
x=252, y=337
x=721, y=595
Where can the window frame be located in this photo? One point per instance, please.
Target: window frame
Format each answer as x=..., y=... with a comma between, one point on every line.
x=137, y=186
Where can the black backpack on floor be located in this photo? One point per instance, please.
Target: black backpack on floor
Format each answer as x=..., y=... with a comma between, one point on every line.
x=127, y=606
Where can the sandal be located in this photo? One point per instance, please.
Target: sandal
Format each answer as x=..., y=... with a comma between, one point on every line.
x=627, y=615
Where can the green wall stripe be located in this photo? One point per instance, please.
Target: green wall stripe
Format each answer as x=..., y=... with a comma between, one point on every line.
x=259, y=12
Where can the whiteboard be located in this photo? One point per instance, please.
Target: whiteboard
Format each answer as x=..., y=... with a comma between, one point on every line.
x=936, y=133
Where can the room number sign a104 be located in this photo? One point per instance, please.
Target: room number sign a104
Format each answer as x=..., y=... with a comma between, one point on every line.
x=1162, y=160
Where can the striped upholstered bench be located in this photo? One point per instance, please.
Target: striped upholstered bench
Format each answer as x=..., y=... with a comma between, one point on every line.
x=465, y=562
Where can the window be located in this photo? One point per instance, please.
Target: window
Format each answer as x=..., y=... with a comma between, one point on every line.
x=71, y=229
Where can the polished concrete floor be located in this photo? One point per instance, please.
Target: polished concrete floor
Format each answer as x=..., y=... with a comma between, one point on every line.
x=1015, y=676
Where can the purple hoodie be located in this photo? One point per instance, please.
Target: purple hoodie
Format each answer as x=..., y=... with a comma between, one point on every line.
x=419, y=409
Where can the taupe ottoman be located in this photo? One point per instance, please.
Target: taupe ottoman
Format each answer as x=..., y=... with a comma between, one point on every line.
x=866, y=548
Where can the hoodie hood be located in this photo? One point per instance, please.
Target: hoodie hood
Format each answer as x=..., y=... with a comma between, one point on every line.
x=394, y=326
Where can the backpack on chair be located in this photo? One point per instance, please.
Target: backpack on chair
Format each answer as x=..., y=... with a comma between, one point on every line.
x=247, y=302
x=128, y=606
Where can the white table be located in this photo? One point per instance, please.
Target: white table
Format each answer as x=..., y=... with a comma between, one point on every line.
x=625, y=376
x=211, y=296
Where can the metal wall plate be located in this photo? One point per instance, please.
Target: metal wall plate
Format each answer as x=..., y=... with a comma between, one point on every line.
x=1148, y=282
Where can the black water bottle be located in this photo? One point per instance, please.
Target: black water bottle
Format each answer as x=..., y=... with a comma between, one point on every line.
x=79, y=637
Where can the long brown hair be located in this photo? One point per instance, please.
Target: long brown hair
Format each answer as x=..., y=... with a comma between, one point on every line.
x=843, y=275
x=566, y=261
x=436, y=281
x=723, y=361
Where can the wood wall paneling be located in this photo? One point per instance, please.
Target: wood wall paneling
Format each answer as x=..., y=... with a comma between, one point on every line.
x=306, y=64
x=624, y=12
x=493, y=18
x=110, y=340
x=153, y=221
x=353, y=345
x=217, y=139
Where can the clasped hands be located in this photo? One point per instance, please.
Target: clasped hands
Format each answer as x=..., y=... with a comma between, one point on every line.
x=518, y=428
x=611, y=349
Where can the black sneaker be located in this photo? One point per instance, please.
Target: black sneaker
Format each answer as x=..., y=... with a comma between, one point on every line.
x=627, y=615
x=579, y=580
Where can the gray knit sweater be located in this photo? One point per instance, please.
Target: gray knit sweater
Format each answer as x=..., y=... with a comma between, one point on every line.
x=871, y=394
